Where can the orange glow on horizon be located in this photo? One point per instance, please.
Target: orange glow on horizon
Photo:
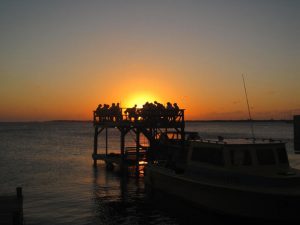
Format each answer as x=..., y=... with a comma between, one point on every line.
x=139, y=99
x=131, y=52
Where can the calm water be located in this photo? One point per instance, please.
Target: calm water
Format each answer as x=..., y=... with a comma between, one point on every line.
x=52, y=162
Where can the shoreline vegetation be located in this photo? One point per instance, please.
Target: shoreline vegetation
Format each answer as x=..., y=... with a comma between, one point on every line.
x=188, y=121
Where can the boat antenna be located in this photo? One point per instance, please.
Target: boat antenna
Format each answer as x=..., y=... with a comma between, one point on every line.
x=249, y=112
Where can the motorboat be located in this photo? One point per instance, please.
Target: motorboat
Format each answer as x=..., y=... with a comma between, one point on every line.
x=238, y=177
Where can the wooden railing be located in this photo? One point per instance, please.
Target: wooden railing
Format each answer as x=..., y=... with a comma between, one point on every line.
x=139, y=116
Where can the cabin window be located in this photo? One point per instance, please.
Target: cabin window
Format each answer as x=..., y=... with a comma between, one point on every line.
x=240, y=157
x=208, y=155
x=282, y=156
x=265, y=156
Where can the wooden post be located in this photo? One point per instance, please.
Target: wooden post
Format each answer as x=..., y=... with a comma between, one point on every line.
x=95, y=146
x=297, y=134
x=123, y=133
x=149, y=153
x=106, y=141
x=19, y=193
x=18, y=215
x=137, y=171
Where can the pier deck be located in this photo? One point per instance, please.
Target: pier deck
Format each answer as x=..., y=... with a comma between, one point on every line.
x=129, y=157
x=152, y=125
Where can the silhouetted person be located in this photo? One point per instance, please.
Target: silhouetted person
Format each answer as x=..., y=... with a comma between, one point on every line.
x=169, y=111
x=119, y=112
x=132, y=113
x=105, y=112
x=176, y=110
x=159, y=109
x=113, y=112
x=98, y=111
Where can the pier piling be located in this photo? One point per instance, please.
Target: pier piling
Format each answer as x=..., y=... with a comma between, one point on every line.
x=137, y=160
x=95, y=146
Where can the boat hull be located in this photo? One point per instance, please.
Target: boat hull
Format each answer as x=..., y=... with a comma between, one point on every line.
x=225, y=200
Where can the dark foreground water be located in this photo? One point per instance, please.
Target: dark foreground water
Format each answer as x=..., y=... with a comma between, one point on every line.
x=52, y=162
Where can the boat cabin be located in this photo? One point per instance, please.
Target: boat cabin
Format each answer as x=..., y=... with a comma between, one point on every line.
x=243, y=154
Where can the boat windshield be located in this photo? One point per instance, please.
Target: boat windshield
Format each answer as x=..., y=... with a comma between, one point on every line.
x=208, y=155
x=240, y=157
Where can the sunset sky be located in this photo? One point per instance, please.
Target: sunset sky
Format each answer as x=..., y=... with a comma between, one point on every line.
x=60, y=59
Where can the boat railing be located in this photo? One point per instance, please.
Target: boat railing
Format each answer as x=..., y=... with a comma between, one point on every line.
x=227, y=141
x=131, y=152
x=265, y=140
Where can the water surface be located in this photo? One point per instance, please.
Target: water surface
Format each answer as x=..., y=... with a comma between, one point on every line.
x=52, y=162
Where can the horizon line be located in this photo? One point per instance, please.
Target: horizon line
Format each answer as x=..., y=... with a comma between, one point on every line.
x=193, y=120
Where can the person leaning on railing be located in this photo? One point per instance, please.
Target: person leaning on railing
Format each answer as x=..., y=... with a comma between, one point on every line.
x=102, y=112
x=176, y=111
x=115, y=112
x=132, y=113
x=98, y=112
x=152, y=112
x=156, y=111
x=118, y=112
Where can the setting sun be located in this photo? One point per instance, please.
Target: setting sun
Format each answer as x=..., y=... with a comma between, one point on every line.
x=139, y=99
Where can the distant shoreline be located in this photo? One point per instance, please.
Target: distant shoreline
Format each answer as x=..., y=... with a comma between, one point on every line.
x=196, y=121
x=188, y=121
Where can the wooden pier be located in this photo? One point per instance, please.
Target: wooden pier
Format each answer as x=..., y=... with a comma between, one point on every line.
x=152, y=126
x=11, y=209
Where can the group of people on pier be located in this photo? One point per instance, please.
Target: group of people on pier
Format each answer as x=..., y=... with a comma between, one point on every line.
x=109, y=113
x=152, y=112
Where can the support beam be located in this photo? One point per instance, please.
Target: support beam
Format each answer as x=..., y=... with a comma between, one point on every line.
x=96, y=134
x=106, y=141
x=95, y=145
x=122, y=146
x=137, y=171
